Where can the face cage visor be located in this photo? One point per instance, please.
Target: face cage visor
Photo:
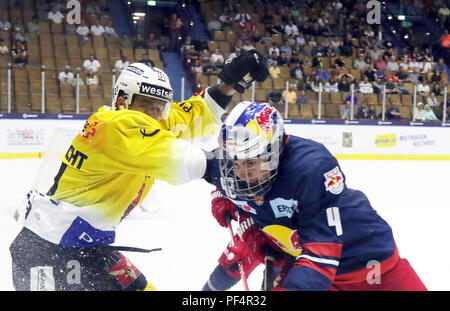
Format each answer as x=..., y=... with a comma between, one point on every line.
x=242, y=187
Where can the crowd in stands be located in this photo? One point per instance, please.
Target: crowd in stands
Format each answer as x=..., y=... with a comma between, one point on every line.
x=325, y=46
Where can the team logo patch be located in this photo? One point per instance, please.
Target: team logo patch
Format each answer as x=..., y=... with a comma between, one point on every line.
x=244, y=205
x=334, y=181
x=264, y=119
x=283, y=208
x=285, y=238
x=124, y=271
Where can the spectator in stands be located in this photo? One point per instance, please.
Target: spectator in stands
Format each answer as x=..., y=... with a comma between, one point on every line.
x=274, y=97
x=5, y=25
x=19, y=54
x=276, y=29
x=441, y=66
x=214, y=24
x=436, y=89
x=423, y=88
x=33, y=25
x=226, y=20
x=91, y=78
x=121, y=63
x=217, y=59
x=419, y=113
x=274, y=70
x=291, y=96
x=365, y=87
x=444, y=14
x=274, y=49
x=331, y=86
x=91, y=64
x=300, y=39
x=93, y=8
x=380, y=63
x=196, y=66
x=4, y=50
x=381, y=74
x=283, y=59
x=302, y=99
x=366, y=112
x=236, y=52
x=242, y=17
x=322, y=73
x=109, y=30
x=175, y=31
x=377, y=86
x=65, y=76
x=393, y=112
x=139, y=43
x=345, y=110
x=339, y=62
x=392, y=65
x=296, y=71
x=401, y=89
x=344, y=83
x=432, y=101
x=370, y=73
x=415, y=63
x=286, y=48
x=83, y=31
x=429, y=113
x=313, y=83
x=403, y=75
x=55, y=16
x=360, y=63
x=153, y=42
x=146, y=60
x=97, y=29
x=291, y=29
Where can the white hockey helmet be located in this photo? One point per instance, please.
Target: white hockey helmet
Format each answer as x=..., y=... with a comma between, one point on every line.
x=140, y=79
x=251, y=131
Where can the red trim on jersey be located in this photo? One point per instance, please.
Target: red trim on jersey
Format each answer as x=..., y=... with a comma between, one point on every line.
x=328, y=272
x=361, y=275
x=324, y=249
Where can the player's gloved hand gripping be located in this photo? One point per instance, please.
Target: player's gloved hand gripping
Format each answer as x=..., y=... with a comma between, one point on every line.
x=250, y=62
x=222, y=209
x=249, y=249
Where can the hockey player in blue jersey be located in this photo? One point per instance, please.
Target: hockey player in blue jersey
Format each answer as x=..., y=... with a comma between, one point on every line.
x=290, y=197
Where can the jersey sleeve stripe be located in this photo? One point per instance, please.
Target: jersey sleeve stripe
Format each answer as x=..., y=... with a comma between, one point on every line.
x=323, y=249
x=331, y=262
x=325, y=271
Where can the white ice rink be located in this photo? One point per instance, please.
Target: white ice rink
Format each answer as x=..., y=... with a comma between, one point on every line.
x=412, y=196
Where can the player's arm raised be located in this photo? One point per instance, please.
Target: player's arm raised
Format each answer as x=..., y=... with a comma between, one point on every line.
x=200, y=115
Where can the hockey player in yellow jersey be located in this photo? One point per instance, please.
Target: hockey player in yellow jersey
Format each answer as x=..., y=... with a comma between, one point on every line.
x=108, y=170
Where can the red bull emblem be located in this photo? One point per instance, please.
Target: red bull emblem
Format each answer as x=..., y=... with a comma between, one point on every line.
x=264, y=119
x=293, y=238
x=334, y=181
x=124, y=271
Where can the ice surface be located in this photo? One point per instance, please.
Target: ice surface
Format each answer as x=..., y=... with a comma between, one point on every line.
x=412, y=196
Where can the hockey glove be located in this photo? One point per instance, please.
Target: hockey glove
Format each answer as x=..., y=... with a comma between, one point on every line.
x=249, y=249
x=250, y=62
x=222, y=208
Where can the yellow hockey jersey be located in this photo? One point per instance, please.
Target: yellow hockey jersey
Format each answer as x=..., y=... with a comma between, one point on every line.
x=111, y=166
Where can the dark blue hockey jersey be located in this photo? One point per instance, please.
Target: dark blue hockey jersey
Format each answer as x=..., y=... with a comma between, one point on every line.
x=332, y=231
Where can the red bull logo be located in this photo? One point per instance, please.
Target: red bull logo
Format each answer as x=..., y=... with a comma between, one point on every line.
x=264, y=119
x=334, y=181
x=293, y=238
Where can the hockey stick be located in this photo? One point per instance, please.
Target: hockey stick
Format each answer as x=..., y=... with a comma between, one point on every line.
x=133, y=249
x=268, y=273
x=241, y=265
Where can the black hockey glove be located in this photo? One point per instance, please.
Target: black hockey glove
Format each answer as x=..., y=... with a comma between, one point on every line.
x=250, y=62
